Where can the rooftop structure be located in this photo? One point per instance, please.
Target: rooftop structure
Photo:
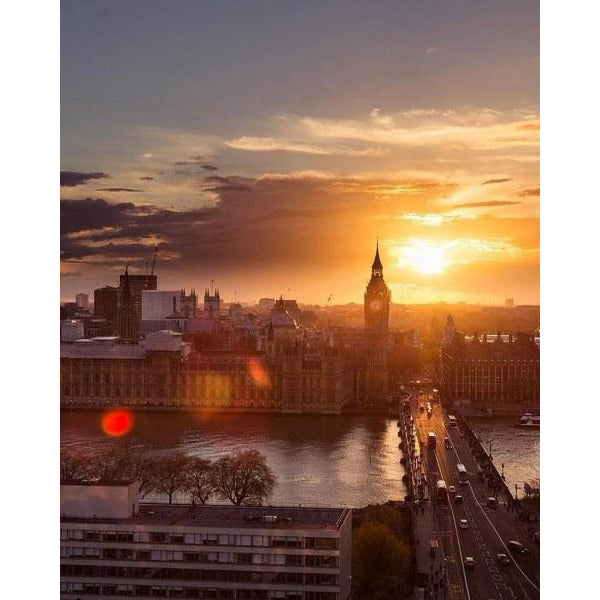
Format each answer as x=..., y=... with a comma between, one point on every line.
x=183, y=551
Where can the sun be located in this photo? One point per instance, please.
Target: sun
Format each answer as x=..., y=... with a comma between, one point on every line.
x=425, y=258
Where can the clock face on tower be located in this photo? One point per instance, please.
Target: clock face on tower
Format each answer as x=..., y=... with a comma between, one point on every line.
x=375, y=305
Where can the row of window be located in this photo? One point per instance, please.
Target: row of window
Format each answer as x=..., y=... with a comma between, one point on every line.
x=157, y=591
x=173, y=574
x=238, y=558
x=200, y=539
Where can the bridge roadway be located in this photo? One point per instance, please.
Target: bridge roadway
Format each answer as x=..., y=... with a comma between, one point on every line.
x=488, y=529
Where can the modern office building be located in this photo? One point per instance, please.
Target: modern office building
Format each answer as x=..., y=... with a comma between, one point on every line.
x=106, y=302
x=111, y=545
x=159, y=304
x=129, y=310
x=82, y=301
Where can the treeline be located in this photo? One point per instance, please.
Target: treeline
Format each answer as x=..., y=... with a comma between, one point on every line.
x=241, y=478
x=383, y=560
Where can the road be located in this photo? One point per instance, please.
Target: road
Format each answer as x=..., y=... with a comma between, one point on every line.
x=487, y=530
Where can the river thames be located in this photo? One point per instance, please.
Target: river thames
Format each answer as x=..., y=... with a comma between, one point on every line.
x=332, y=460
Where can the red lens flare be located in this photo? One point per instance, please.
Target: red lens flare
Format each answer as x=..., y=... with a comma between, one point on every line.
x=258, y=373
x=116, y=423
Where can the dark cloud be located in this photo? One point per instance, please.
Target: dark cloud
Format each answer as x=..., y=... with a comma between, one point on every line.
x=486, y=203
x=117, y=189
x=530, y=192
x=73, y=178
x=238, y=231
x=503, y=180
x=181, y=163
x=207, y=167
x=147, y=178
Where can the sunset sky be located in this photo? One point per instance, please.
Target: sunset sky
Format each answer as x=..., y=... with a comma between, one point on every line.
x=266, y=145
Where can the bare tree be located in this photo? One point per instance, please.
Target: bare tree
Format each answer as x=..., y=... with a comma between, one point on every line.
x=244, y=478
x=143, y=469
x=112, y=464
x=171, y=474
x=73, y=464
x=200, y=482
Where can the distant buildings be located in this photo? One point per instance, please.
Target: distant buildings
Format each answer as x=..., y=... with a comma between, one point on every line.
x=210, y=359
x=71, y=330
x=490, y=373
x=82, y=301
x=111, y=545
x=106, y=302
x=129, y=309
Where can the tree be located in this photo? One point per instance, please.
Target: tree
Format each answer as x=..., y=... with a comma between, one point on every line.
x=380, y=562
x=244, y=478
x=200, y=482
x=143, y=469
x=112, y=464
x=170, y=474
x=73, y=464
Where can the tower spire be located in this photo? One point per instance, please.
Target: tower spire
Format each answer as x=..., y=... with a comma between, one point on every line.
x=377, y=266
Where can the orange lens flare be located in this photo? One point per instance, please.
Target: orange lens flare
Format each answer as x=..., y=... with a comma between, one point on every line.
x=258, y=373
x=116, y=423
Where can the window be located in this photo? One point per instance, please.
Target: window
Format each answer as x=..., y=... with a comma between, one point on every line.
x=244, y=559
x=144, y=536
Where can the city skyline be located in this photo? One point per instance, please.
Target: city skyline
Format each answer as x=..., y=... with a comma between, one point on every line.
x=425, y=134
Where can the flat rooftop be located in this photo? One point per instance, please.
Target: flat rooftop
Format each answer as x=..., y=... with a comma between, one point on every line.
x=225, y=515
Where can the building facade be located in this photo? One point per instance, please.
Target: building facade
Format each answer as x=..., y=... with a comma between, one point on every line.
x=82, y=301
x=377, y=311
x=128, y=322
x=129, y=310
x=113, y=546
x=163, y=372
x=106, y=302
x=497, y=373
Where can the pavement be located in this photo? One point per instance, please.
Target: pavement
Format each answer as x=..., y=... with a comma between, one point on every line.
x=487, y=530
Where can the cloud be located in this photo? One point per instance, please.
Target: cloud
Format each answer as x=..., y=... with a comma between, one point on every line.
x=491, y=181
x=208, y=167
x=147, y=178
x=486, y=203
x=530, y=192
x=118, y=189
x=430, y=50
x=73, y=178
x=269, y=144
x=472, y=129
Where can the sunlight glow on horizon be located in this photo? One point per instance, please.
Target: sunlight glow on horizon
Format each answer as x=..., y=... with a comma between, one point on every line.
x=424, y=257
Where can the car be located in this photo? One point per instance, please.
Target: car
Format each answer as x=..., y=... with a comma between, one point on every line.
x=503, y=559
x=469, y=562
x=451, y=489
x=458, y=499
x=516, y=547
x=492, y=502
x=463, y=524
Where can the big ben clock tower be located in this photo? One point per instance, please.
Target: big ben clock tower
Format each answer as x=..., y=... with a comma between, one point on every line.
x=377, y=312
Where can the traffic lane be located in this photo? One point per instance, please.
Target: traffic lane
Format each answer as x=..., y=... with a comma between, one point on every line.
x=446, y=532
x=485, y=577
x=482, y=578
x=507, y=525
x=513, y=582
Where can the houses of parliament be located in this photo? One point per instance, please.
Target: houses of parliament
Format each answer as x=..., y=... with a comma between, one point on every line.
x=204, y=359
